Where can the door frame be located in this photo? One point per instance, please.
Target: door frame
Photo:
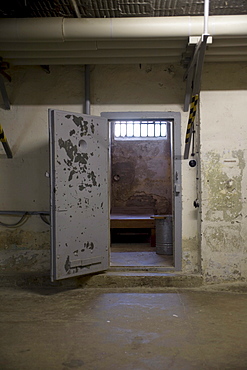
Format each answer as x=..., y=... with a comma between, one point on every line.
x=175, y=117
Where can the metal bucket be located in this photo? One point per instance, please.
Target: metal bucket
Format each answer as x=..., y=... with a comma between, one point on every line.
x=164, y=235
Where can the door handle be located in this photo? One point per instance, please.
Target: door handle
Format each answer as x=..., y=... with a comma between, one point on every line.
x=177, y=188
x=177, y=184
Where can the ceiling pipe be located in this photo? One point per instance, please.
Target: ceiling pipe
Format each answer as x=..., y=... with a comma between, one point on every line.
x=124, y=60
x=88, y=54
x=75, y=29
x=95, y=45
x=80, y=61
x=175, y=43
x=138, y=53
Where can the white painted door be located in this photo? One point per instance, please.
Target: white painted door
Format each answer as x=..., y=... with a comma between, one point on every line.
x=79, y=165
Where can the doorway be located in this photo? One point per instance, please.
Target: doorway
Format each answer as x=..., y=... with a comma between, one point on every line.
x=145, y=182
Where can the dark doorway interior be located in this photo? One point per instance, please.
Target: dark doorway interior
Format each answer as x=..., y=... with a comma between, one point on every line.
x=141, y=186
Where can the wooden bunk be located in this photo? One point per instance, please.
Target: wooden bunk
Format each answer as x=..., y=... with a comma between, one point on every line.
x=125, y=221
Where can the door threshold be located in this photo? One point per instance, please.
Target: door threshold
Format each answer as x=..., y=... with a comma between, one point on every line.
x=142, y=268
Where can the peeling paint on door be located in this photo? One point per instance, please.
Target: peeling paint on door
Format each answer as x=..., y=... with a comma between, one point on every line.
x=80, y=176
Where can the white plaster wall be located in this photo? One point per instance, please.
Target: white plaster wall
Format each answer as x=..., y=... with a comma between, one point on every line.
x=224, y=171
x=113, y=88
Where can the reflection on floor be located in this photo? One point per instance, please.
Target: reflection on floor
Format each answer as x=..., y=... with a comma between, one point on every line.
x=138, y=254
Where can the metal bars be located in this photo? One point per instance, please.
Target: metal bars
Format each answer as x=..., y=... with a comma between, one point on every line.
x=140, y=129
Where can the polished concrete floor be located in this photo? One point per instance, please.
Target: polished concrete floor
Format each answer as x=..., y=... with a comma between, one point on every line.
x=136, y=329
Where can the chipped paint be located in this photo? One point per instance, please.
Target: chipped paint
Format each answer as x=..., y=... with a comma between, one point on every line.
x=78, y=181
x=83, y=125
x=72, y=132
x=67, y=265
x=92, y=177
x=79, y=164
x=92, y=127
x=70, y=149
x=190, y=255
x=223, y=187
x=223, y=215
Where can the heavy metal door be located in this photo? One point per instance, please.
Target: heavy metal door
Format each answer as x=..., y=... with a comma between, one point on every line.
x=79, y=163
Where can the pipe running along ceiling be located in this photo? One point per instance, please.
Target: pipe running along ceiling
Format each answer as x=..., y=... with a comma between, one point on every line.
x=55, y=40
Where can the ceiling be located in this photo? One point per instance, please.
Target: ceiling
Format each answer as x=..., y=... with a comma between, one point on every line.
x=19, y=47
x=117, y=8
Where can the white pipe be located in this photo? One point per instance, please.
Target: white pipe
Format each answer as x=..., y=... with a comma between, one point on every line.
x=75, y=29
x=31, y=29
x=116, y=45
x=80, y=61
x=242, y=50
x=91, y=54
x=128, y=60
x=95, y=45
x=225, y=58
x=138, y=53
x=206, y=14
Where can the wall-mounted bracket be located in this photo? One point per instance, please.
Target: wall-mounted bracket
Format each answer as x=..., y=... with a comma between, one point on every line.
x=193, y=86
x=194, y=71
x=4, y=94
x=5, y=143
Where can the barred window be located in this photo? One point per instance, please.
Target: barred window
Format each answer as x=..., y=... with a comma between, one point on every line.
x=140, y=129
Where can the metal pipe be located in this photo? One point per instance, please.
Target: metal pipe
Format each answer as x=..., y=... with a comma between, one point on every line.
x=119, y=28
x=76, y=29
x=87, y=90
x=78, y=14
x=80, y=61
x=90, y=54
x=122, y=60
x=176, y=43
x=111, y=54
x=21, y=213
x=206, y=14
x=87, y=109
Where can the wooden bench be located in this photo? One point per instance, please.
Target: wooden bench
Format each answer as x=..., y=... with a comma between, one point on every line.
x=124, y=221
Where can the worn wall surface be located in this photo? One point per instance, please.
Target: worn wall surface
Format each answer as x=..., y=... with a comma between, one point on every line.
x=113, y=89
x=224, y=172
x=221, y=252
x=141, y=176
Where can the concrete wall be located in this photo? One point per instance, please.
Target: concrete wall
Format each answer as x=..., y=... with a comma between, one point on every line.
x=141, y=176
x=224, y=172
x=136, y=88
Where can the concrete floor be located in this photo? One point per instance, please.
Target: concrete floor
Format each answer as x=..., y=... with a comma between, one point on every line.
x=138, y=254
x=137, y=329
